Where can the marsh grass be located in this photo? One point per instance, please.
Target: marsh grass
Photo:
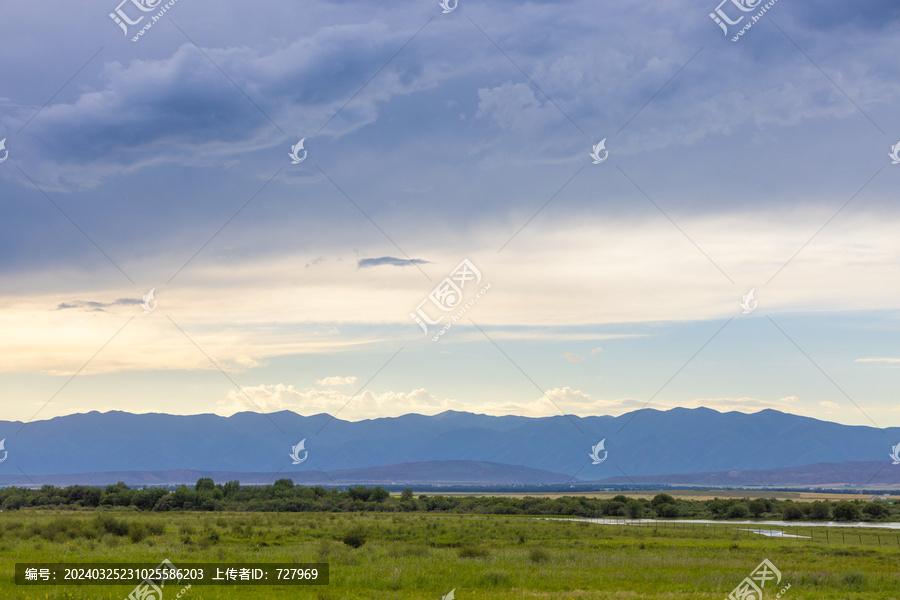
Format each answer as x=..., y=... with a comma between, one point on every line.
x=406, y=556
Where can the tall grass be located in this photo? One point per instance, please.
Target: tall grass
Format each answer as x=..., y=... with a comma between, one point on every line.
x=405, y=556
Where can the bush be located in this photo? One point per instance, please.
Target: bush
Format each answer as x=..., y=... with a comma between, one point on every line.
x=854, y=580
x=661, y=499
x=667, y=511
x=614, y=509
x=155, y=527
x=846, y=511
x=354, y=538
x=875, y=510
x=137, y=532
x=494, y=579
x=472, y=552
x=791, y=512
x=634, y=508
x=738, y=511
x=758, y=507
x=538, y=555
x=819, y=511
x=109, y=524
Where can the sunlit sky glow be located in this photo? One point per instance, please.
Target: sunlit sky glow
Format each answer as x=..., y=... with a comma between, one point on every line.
x=731, y=166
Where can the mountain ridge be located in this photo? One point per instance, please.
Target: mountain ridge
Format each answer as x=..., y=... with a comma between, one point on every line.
x=646, y=442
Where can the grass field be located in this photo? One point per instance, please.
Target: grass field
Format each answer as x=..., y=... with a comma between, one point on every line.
x=426, y=556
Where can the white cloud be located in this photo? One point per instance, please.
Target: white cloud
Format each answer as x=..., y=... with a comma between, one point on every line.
x=366, y=405
x=572, y=401
x=333, y=381
x=596, y=350
x=572, y=357
x=829, y=404
x=879, y=360
x=514, y=106
x=227, y=309
x=745, y=404
x=370, y=404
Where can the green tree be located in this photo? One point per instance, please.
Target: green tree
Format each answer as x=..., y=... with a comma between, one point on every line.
x=819, y=511
x=379, y=494
x=406, y=495
x=668, y=511
x=91, y=497
x=634, y=508
x=846, y=511
x=205, y=484
x=757, y=507
x=359, y=492
x=875, y=510
x=791, y=512
x=231, y=488
x=660, y=499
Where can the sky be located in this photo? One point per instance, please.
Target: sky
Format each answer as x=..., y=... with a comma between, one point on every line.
x=446, y=167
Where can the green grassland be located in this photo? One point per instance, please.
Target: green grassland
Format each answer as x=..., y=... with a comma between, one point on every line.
x=426, y=555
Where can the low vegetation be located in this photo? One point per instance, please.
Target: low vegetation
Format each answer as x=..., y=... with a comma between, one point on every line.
x=399, y=556
x=284, y=496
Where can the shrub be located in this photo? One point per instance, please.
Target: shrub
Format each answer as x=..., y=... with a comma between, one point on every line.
x=791, y=512
x=614, y=509
x=354, y=538
x=738, y=511
x=538, y=555
x=109, y=524
x=155, y=527
x=819, y=511
x=846, y=511
x=494, y=579
x=661, y=499
x=137, y=532
x=875, y=510
x=472, y=552
x=635, y=509
x=667, y=511
x=854, y=580
x=757, y=507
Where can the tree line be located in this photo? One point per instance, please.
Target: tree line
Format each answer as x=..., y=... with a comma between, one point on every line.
x=284, y=496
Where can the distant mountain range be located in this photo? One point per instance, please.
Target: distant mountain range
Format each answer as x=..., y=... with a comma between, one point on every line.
x=451, y=447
